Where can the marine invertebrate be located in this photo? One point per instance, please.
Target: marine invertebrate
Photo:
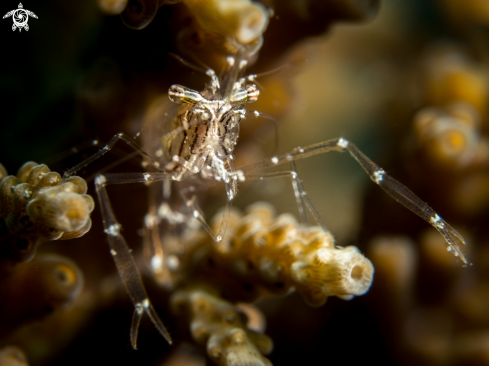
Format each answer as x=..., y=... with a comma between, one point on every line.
x=38, y=205
x=264, y=254
x=451, y=136
x=12, y=356
x=260, y=254
x=221, y=327
x=242, y=20
x=346, y=311
x=37, y=288
x=201, y=141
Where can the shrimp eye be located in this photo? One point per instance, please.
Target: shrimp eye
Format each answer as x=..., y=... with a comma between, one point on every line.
x=248, y=95
x=180, y=94
x=252, y=92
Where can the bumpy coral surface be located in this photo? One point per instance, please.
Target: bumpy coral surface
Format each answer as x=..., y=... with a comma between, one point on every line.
x=261, y=254
x=221, y=327
x=37, y=205
x=423, y=309
x=264, y=254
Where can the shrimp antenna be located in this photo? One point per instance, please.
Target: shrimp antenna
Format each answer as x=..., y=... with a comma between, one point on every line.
x=202, y=68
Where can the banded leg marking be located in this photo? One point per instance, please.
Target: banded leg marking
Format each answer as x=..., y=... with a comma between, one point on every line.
x=395, y=189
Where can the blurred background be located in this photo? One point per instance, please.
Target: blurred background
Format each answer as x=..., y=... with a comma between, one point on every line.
x=407, y=82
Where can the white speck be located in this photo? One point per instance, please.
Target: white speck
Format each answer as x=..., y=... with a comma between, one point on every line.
x=106, y=148
x=343, y=143
x=119, y=134
x=145, y=303
x=100, y=180
x=195, y=213
x=256, y=113
x=156, y=164
x=210, y=72
x=139, y=308
x=230, y=194
x=275, y=160
x=156, y=262
x=242, y=64
x=146, y=176
x=289, y=157
x=218, y=238
x=175, y=158
x=159, y=153
x=95, y=142
x=293, y=174
x=230, y=157
x=240, y=175
x=113, y=252
x=27, y=193
x=113, y=230
x=150, y=220
x=173, y=262
x=378, y=176
x=301, y=150
x=230, y=60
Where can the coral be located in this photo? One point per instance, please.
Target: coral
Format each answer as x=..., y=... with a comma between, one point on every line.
x=242, y=20
x=12, y=356
x=357, y=83
x=451, y=136
x=137, y=14
x=221, y=327
x=112, y=6
x=38, y=205
x=37, y=288
x=263, y=254
x=260, y=254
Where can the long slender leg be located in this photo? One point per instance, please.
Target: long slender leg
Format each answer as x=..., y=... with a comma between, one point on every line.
x=190, y=199
x=299, y=191
x=106, y=149
x=301, y=195
x=395, y=189
x=123, y=258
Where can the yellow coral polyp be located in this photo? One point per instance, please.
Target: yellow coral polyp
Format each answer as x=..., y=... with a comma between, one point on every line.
x=38, y=203
x=261, y=254
x=451, y=135
x=242, y=20
x=62, y=209
x=221, y=327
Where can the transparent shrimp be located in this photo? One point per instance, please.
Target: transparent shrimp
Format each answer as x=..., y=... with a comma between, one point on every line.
x=201, y=142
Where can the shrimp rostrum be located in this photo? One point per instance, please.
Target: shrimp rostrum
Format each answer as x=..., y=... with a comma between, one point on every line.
x=201, y=142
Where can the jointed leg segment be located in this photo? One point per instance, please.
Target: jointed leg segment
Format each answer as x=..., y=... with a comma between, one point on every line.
x=126, y=266
x=395, y=189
